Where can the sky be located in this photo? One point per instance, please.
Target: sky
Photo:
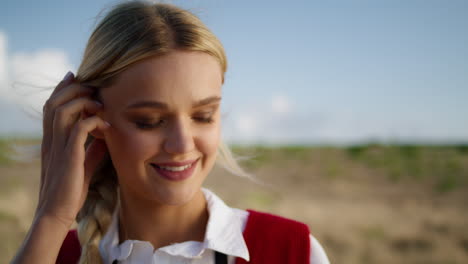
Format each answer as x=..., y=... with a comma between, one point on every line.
x=299, y=72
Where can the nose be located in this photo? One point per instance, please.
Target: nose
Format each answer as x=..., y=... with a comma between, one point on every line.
x=179, y=138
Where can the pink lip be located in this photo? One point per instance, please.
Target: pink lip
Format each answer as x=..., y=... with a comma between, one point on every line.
x=176, y=175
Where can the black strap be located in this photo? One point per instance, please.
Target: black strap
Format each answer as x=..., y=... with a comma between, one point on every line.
x=220, y=258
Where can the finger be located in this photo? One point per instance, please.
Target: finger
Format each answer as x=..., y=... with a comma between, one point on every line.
x=46, y=141
x=67, y=79
x=79, y=134
x=61, y=97
x=69, y=92
x=95, y=152
x=65, y=95
x=68, y=114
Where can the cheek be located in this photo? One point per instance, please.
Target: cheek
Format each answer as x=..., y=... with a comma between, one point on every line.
x=209, y=141
x=127, y=144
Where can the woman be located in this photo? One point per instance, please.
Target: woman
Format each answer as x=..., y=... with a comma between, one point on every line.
x=128, y=143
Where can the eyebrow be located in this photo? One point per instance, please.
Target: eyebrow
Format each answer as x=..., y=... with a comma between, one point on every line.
x=161, y=105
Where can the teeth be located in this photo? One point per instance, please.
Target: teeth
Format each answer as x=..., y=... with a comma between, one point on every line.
x=181, y=168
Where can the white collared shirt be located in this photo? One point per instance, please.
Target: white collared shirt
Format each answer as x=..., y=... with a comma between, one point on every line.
x=224, y=233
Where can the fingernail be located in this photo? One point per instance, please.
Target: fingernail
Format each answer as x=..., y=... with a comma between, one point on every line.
x=107, y=123
x=68, y=76
x=98, y=103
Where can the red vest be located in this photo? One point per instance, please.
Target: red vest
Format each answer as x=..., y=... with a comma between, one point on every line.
x=270, y=239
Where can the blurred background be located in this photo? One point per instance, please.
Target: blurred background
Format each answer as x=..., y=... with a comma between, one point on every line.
x=354, y=114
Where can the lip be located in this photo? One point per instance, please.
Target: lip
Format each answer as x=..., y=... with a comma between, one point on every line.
x=175, y=175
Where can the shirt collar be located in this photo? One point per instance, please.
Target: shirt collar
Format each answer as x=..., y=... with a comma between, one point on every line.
x=223, y=234
x=224, y=229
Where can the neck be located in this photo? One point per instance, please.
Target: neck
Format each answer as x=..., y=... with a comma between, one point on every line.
x=162, y=224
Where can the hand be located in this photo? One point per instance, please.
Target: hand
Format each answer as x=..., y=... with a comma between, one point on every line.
x=66, y=167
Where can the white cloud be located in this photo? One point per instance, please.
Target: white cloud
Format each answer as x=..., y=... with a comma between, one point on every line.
x=26, y=81
x=272, y=122
x=246, y=124
x=3, y=62
x=262, y=123
x=34, y=75
x=280, y=104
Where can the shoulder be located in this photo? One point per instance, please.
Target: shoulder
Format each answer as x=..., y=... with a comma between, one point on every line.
x=272, y=237
x=268, y=221
x=289, y=238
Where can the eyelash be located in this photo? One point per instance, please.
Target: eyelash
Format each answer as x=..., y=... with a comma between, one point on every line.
x=143, y=125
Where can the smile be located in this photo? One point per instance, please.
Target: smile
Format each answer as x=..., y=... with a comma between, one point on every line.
x=175, y=173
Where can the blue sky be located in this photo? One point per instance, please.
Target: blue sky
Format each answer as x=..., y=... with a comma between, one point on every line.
x=299, y=71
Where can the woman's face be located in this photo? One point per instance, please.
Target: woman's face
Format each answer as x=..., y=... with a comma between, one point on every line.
x=164, y=110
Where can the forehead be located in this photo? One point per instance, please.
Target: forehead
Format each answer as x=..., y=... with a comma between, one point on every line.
x=175, y=78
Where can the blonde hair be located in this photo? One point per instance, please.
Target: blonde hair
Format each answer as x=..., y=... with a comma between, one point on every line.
x=131, y=32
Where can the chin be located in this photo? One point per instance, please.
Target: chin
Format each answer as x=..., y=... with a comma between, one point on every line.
x=177, y=196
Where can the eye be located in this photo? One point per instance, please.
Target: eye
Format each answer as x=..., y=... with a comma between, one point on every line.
x=204, y=119
x=147, y=124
